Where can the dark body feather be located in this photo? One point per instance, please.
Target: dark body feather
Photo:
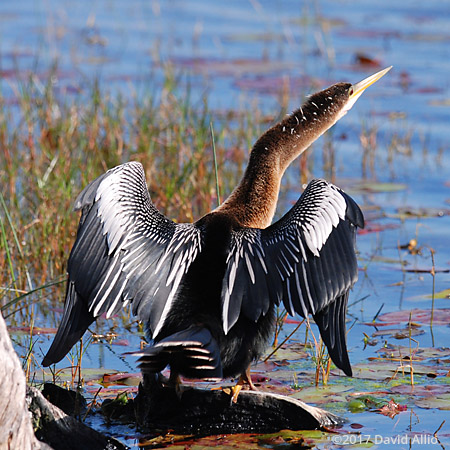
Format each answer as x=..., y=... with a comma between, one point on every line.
x=248, y=339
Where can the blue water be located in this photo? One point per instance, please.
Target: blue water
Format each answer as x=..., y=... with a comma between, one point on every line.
x=241, y=54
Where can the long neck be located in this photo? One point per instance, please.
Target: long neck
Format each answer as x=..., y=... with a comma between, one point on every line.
x=254, y=200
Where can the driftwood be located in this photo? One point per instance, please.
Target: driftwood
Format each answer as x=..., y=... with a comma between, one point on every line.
x=52, y=425
x=16, y=430
x=200, y=411
x=65, y=432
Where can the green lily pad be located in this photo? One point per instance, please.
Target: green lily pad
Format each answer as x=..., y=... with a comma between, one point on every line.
x=291, y=438
x=322, y=394
x=292, y=352
x=409, y=213
x=374, y=187
x=442, y=294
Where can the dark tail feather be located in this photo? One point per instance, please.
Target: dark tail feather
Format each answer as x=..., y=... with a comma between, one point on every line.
x=331, y=323
x=193, y=353
x=75, y=321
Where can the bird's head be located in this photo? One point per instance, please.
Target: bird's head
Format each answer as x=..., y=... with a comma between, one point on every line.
x=355, y=91
x=338, y=99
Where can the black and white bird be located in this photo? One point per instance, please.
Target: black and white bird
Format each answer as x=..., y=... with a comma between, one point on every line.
x=207, y=291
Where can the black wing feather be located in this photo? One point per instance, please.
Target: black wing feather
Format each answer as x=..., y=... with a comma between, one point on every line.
x=309, y=263
x=75, y=321
x=121, y=240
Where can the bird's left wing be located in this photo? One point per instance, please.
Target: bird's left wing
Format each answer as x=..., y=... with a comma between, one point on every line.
x=126, y=251
x=306, y=259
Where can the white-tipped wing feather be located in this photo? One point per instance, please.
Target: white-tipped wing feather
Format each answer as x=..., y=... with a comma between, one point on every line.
x=306, y=259
x=126, y=250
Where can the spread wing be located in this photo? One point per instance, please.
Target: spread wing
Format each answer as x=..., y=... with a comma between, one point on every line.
x=126, y=251
x=306, y=260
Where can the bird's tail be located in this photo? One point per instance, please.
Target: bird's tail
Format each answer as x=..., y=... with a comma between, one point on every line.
x=193, y=353
x=75, y=321
x=331, y=323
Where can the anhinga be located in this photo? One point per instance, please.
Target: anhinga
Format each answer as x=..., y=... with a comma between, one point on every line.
x=207, y=291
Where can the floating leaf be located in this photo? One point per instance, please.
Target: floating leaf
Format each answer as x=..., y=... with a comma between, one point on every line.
x=421, y=391
x=121, y=342
x=420, y=353
x=232, y=67
x=123, y=379
x=33, y=330
x=374, y=187
x=442, y=294
x=255, y=37
x=385, y=259
x=399, y=333
x=441, y=316
x=284, y=437
x=378, y=228
x=391, y=409
x=356, y=405
x=291, y=352
x=322, y=394
x=409, y=212
x=425, y=269
x=439, y=402
x=440, y=102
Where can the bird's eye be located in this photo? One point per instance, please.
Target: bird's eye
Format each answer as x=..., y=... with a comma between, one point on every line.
x=350, y=90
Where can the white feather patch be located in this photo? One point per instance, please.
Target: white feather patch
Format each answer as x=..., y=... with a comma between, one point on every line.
x=327, y=207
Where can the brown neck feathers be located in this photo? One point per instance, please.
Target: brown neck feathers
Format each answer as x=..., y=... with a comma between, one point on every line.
x=254, y=200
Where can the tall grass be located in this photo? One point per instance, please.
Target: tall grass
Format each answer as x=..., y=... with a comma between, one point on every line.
x=51, y=146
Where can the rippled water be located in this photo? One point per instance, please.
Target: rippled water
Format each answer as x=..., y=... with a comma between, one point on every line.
x=245, y=53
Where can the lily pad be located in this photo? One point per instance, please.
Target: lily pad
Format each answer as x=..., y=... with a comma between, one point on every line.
x=34, y=330
x=391, y=409
x=292, y=352
x=121, y=379
x=420, y=353
x=291, y=438
x=406, y=213
x=421, y=391
x=435, y=402
x=374, y=187
x=399, y=333
x=322, y=394
x=441, y=316
x=442, y=294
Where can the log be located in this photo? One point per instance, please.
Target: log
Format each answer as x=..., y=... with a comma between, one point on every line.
x=52, y=425
x=200, y=411
x=16, y=430
x=65, y=432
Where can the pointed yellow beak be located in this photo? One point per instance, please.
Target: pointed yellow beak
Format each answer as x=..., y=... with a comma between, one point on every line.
x=360, y=87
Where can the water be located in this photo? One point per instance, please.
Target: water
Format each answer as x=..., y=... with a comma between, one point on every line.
x=244, y=53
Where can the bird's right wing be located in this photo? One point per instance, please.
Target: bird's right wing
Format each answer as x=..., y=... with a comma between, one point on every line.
x=126, y=251
x=306, y=259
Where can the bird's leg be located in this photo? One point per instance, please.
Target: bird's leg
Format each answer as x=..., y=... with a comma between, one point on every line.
x=174, y=381
x=244, y=379
x=174, y=378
